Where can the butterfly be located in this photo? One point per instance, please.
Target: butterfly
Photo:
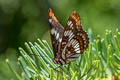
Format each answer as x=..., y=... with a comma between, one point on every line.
x=69, y=42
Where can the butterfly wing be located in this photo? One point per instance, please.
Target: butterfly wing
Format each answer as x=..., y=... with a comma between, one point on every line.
x=75, y=40
x=56, y=31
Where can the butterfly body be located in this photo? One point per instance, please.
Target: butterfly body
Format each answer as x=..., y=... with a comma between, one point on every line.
x=70, y=42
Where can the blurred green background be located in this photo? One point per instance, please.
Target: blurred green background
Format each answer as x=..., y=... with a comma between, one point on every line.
x=26, y=20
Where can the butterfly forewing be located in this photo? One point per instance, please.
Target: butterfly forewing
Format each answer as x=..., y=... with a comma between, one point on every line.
x=56, y=31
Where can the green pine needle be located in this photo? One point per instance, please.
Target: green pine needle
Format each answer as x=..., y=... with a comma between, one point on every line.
x=100, y=60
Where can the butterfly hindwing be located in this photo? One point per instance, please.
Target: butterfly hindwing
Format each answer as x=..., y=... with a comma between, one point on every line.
x=56, y=31
x=75, y=39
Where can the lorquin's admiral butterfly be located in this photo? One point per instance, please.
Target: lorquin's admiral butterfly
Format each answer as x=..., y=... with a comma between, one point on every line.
x=70, y=42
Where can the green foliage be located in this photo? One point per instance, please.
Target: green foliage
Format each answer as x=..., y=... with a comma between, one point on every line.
x=100, y=60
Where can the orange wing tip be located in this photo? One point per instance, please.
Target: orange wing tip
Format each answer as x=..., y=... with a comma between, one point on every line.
x=51, y=14
x=76, y=17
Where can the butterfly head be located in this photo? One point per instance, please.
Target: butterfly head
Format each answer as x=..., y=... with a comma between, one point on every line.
x=55, y=60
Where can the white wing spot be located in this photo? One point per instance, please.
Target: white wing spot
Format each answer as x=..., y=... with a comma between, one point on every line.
x=83, y=37
x=71, y=36
x=76, y=45
x=78, y=51
x=69, y=32
x=69, y=22
x=52, y=31
x=85, y=42
x=80, y=34
x=62, y=61
x=69, y=52
x=75, y=55
x=73, y=42
x=70, y=43
x=50, y=20
x=76, y=24
x=63, y=43
x=71, y=25
x=57, y=36
x=55, y=32
x=60, y=39
x=66, y=32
